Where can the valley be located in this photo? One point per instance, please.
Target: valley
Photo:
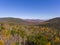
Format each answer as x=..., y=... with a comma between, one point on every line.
x=15, y=31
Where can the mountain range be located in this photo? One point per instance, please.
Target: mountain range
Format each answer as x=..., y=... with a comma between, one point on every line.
x=29, y=21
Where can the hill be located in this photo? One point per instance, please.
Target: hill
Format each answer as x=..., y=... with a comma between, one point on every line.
x=12, y=20
x=20, y=21
x=53, y=23
x=54, y=20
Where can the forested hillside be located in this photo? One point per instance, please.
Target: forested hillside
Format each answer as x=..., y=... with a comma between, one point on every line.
x=46, y=33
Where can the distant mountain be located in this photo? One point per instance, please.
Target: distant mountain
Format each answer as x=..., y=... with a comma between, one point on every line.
x=13, y=20
x=20, y=21
x=54, y=20
x=34, y=21
x=53, y=23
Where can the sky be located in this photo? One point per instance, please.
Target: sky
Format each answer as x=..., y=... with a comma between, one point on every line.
x=30, y=9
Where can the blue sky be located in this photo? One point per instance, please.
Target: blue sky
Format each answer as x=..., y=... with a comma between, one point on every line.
x=30, y=9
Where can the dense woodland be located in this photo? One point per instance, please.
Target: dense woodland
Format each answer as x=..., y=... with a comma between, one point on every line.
x=20, y=34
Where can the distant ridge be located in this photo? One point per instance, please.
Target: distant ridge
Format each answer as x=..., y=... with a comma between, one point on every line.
x=14, y=20
x=54, y=20
x=29, y=21
x=20, y=21
x=53, y=23
x=34, y=21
